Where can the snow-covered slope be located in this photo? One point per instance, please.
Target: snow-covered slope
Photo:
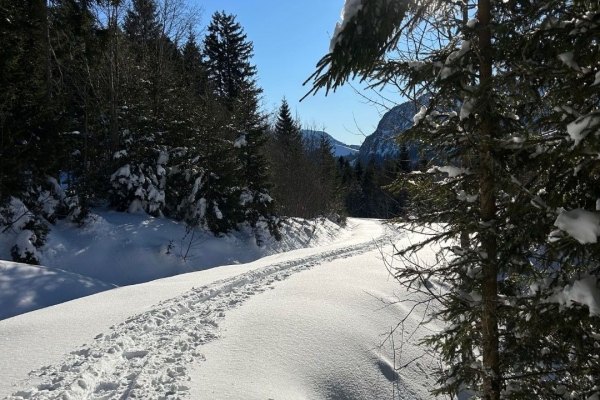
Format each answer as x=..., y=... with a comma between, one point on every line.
x=311, y=323
x=119, y=249
x=25, y=288
x=382, y=143
x=339, y=148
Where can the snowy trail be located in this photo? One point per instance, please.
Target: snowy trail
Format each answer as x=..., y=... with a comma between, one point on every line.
x=147, y=356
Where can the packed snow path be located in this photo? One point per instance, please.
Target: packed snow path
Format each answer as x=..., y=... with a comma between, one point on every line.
x=148, y=355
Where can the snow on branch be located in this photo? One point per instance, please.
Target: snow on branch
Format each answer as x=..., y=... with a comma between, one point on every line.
x=581, y=225
x=368, y=30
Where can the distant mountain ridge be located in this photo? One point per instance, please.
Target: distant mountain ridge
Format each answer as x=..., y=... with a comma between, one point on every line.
x=382, y=143
x=339, y=148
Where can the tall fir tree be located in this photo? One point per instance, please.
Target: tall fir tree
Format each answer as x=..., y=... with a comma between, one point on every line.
x=513, y=90
x=141, y=24
x=289, y=161
x=227, y=55
x=232, y=77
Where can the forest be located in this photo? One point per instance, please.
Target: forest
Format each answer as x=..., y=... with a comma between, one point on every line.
x=127, y=106
x=124, y=105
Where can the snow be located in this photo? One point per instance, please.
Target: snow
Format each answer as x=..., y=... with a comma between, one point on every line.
x=467, y=108
x=343, y=151
x=240, y=142
x=420, y=115
x=597, y=79
x=123, y=171
x=582, y=291
x=567, y=59
x=582, y=225
x=119, y=154
x=24, y=243
x=449, y=65
x=416, y=64
x=163, y=158
x=580, y=128
x=309, y=323
x=339, y=149
x=332, y=331
x=119, y=249
x=350, y=10
x=24, y=288
x=463, y=196
x=451, y=170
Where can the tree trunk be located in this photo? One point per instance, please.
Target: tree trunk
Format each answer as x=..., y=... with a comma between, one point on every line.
x=491, y=356
x=113, y=31
x=39, y=13
x=464, y=234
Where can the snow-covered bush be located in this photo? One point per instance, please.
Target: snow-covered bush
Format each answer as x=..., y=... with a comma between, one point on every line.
x=140, y=187
x=26, y=230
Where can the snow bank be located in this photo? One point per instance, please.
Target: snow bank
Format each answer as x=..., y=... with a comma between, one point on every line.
x=120, y=249
x=312, y=323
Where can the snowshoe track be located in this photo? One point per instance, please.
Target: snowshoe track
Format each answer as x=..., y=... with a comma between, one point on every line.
x=145, y=357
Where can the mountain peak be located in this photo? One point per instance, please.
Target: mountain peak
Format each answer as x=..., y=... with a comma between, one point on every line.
x=382, y=143
x=340, y=149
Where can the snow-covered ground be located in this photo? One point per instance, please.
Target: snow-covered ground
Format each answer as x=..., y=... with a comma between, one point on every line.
x=118, y=249
x=308, y=323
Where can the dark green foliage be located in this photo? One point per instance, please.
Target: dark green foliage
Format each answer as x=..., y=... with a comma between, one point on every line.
x=227, y=54
x=498, y=187
x=365, y=41
x=290, y=161
x=368, y=192
x=232, y=78
x=193, y=68
x=93, y=111
x=141, y=25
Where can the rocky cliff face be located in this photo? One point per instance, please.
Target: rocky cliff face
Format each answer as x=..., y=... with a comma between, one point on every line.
x=383, y=143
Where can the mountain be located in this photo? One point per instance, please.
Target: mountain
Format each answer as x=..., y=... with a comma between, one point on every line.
x=339, y=148
x=382, y=144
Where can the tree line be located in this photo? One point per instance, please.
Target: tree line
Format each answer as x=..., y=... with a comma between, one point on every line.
x=104, y=102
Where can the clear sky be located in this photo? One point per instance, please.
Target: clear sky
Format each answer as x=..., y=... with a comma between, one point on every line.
x=289, y=39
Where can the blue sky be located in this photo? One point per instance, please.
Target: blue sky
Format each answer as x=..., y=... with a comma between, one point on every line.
x=289, y=39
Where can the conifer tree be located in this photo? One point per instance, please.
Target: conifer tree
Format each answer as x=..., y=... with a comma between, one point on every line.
x=44, y=103
x=141, y=23
x=193, y=67
x=227, y=55
x=139, y=184
x=326, y=198
x=154, y=120
x=290, y=165
x=232, y=77
x=513, y=91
